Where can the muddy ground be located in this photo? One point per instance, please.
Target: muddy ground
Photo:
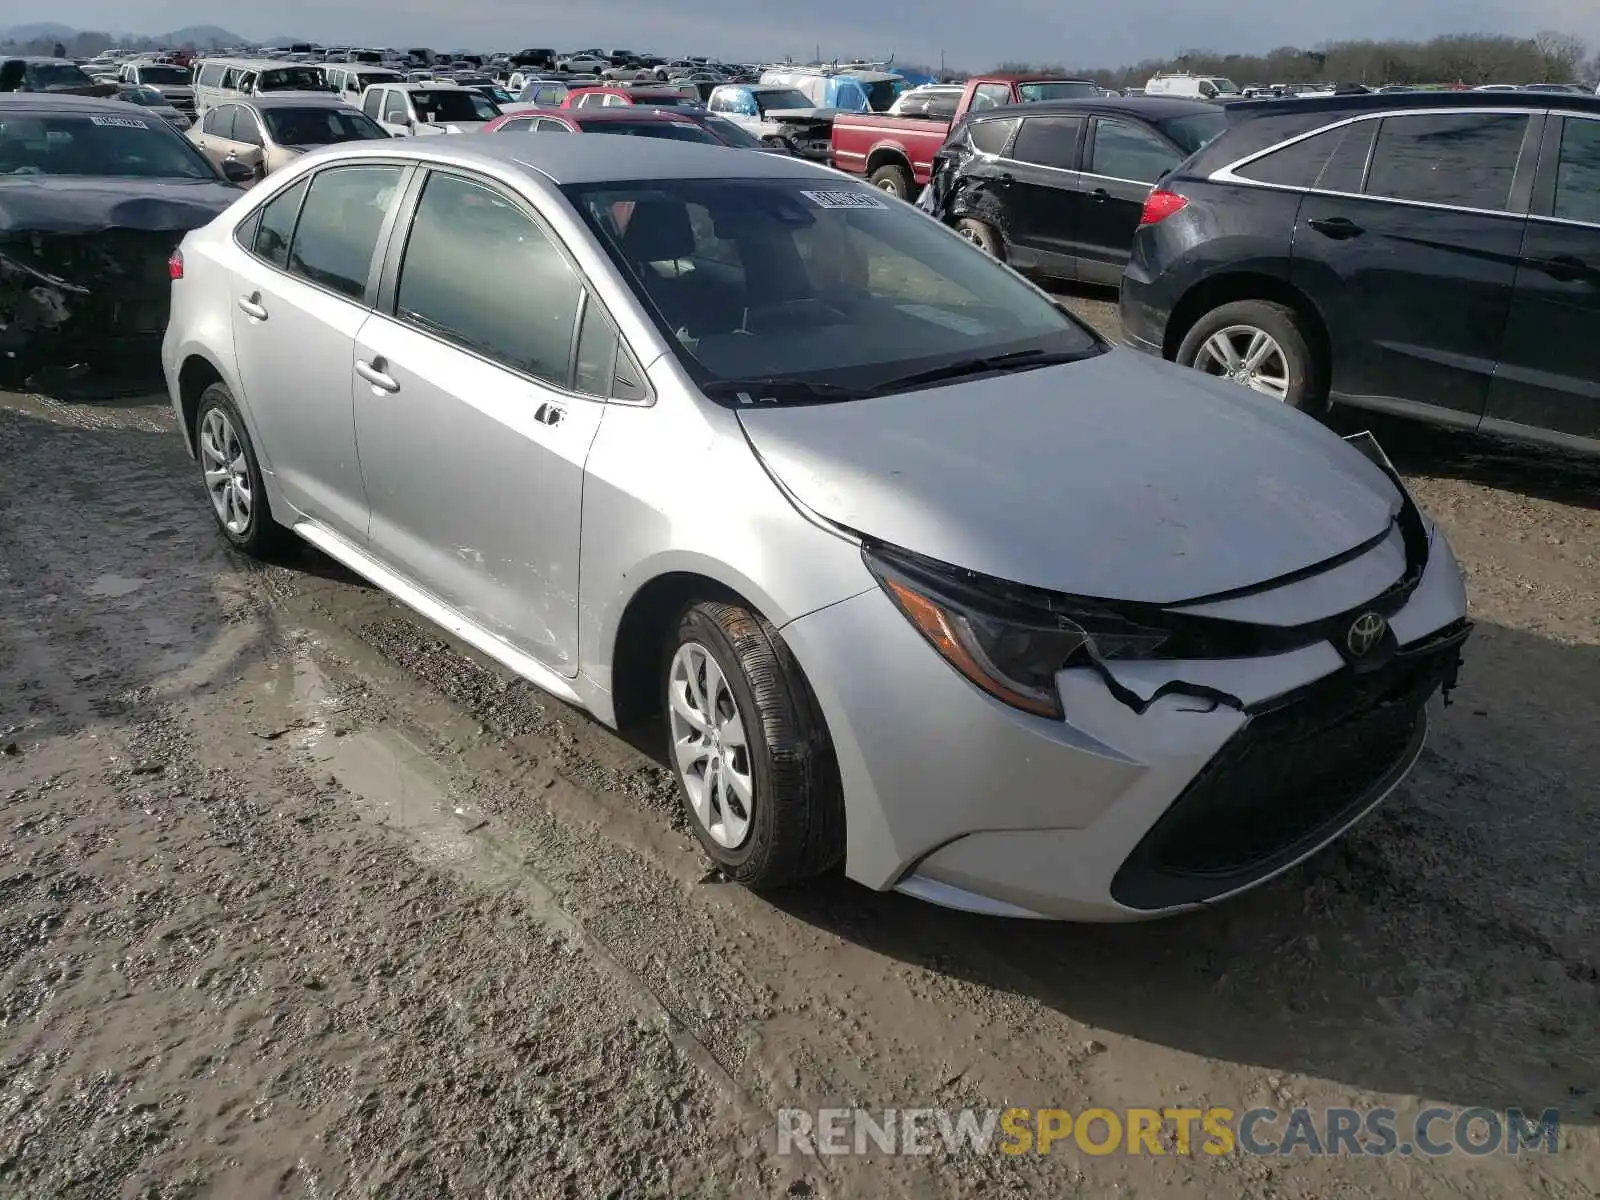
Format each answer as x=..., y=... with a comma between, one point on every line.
x=299, y=898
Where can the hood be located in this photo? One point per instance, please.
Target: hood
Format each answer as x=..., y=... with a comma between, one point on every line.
x=63, y=204
x=801, y=114
x=1119, y=477
x=174, y=91
x=424, y=129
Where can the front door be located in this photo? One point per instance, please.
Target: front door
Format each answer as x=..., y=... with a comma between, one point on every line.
x=298, y=301
x=1549, y=373
x=1042, y=194
x=1414, y=275
x=1120, y=164
x=472, y=427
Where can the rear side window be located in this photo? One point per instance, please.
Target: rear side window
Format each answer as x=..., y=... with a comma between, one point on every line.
x=1334, y=160
x=276, y=225
x=1578, y=172
x=1049, y=142
x=1461, y=159
x=990, y=137
x=470, y=259
x=339, y=225
x=523, y=126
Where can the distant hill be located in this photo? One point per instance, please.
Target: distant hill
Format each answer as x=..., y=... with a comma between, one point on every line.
x=38, y=30
x=202, y=35
x=49, y=31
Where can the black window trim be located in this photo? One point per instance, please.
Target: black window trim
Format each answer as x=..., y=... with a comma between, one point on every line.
x=1544, y=187
x=1517, y=205
x=408, y=173
x=1086, y=147
x=397, y=234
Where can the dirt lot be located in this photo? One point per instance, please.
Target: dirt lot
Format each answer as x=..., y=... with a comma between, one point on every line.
x=298, y=898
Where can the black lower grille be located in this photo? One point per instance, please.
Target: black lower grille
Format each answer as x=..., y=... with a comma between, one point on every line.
x=1293, y=777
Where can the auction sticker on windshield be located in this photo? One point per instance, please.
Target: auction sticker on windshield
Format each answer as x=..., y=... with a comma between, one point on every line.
x=119, y=122
x=844, y=199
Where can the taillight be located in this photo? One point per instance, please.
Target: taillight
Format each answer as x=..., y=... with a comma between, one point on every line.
x=1159, y=205
x=175, y=265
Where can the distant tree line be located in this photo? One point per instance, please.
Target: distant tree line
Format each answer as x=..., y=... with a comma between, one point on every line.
x=89, y=43
x=1473, y=59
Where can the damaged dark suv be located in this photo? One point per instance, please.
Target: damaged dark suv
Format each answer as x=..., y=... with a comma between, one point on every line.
x=94, y=197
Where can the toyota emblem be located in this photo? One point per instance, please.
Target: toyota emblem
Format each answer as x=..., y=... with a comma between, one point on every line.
x=1366, y=631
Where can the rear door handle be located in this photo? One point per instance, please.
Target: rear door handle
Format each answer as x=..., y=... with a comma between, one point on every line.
x=1565, y=268
x=549, y=414
x=1003, y=177
x=376, y=373
x=1099, y=195
x=1338, y=228
x=250, y=306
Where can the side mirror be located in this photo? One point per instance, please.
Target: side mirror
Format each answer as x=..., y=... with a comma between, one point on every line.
x=235, y=171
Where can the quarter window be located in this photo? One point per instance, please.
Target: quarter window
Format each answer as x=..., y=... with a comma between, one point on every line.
x=990, y=137
x=276, y=225
x=1123, y=151
x=1334, y=160
x=1578, y=172
x=472, y=262
x=1049, y=142
x=1460, y=159
x=339, y=226
x=597, y=353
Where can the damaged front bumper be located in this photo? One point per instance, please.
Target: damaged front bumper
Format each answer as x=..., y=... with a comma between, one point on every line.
x=91, y=298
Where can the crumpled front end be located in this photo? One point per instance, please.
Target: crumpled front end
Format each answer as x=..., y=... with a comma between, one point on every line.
x=73, y=299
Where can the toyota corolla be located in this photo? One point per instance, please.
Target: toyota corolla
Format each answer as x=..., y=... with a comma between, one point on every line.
x=929, y=582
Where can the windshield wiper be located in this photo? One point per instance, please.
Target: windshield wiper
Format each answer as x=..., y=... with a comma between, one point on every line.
x=1017, y=360
x=767, y=389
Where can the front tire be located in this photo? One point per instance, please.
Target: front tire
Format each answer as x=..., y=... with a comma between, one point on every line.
x=895, y=179
x=746, y=739
x=1259, y=345
x=232, y=477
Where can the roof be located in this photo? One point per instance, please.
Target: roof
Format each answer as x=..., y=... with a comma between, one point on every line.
x=58, y=102
x=1392, y=101
x=39, y=59
x=581, y=160
x=290, y=100
x=630, y=112
x=1152, y=108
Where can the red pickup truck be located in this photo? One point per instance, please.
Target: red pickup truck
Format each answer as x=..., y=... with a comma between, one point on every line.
x=896, y=153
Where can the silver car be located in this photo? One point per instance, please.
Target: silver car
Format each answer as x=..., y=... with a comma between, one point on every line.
x=929, y=581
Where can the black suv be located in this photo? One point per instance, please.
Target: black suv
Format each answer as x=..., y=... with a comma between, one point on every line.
x=1435, y=256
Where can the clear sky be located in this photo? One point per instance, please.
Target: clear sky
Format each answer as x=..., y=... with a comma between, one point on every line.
x=971, y=33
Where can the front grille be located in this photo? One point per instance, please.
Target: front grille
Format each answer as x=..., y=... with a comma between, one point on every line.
x=1290, y=779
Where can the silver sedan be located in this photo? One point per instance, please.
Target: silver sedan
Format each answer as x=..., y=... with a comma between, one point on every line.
x=929, y=581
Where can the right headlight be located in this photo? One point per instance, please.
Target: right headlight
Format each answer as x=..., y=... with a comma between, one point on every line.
x=1008, y=646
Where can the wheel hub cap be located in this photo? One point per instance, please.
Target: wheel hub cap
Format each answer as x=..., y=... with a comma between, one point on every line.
x=709, y=745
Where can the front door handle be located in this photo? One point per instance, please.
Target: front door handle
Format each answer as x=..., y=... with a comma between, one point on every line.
x=1338, y=228
x=251, y=307
x=1564, y=268
x=1099, y=195
x=549, y=414
x=376, y=373
x=1003, y=177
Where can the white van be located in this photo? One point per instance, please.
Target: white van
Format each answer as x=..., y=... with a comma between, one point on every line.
x=219, y=80
x=348, y=82
x=1194, y=87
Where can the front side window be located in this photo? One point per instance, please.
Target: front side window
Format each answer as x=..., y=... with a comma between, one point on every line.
x=372, y=103
x=339, y=226
x=525, y=125
x=1578, y=172
x=551, y=125
x=134, y=146
x=1465, y=160
x=394, y=108
x=755, y=279
x=276, y=224
x=1049, y=142
x=781, y=100
x=245, y=128
x=471, y=259
x=1119, y=150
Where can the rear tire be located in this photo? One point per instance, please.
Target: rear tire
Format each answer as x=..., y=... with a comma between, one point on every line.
x=895, y=179
x=759, y=780
x=982, y=236
x=1220, y=343
x=234, y=488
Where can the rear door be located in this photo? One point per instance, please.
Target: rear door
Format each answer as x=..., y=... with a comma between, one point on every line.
x=1120, y=164
x=1413, y=269
x=476, y=401
x=1549, y=374
x=245, y=142
x=1040, y=175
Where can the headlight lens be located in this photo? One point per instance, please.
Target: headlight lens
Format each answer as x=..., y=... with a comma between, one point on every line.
x=1011, y=650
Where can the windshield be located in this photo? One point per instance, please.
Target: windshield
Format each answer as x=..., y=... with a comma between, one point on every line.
x=47, y=76
x=319, y=126
x=782, y=99
x=293, y=79
x=368, y=78
x=880, y=94
x=1065, y=89
x=666, y=100
x=672, y=131
x=825, y=284
x=1194, y=131
x=454, y=104
x=166, y=75
x=729, y=134
x=130, y=147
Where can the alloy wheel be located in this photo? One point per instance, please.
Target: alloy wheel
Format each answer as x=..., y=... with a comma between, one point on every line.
x=1247, y=356
x=708, y=739
x=227, y=472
